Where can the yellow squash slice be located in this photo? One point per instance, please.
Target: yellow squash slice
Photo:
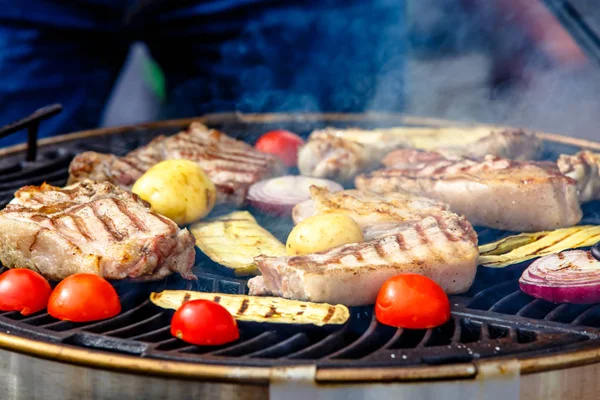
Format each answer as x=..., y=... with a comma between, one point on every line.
x=525, y=246
x=259, y=308
x=233, y=241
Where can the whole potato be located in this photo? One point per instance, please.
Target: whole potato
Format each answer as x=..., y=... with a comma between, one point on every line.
x=177, y=189
x=323, y=232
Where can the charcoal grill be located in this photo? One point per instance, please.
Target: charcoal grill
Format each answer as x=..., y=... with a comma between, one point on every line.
x=499, y=343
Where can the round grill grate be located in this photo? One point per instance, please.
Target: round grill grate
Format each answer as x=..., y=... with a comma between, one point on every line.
x=493, y=319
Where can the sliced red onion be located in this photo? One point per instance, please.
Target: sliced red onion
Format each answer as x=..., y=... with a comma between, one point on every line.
x=568, y=277
x=280, y=195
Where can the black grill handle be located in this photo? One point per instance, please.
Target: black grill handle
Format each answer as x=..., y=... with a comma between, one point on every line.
x=32, y=124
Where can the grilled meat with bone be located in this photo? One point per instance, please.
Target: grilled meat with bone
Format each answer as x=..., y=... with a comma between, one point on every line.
x=584, y=167
x=232, y=165
x=375, y=214
x=442, y=247
x=494, y=192
x=94, y=228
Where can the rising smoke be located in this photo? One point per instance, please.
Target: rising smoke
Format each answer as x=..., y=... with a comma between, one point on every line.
x=479, y=64
x=439, y=58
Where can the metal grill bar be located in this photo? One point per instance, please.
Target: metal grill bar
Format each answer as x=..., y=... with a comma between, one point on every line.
x=31, y=123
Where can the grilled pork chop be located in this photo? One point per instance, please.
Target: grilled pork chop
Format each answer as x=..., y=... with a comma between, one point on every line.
x=442, y=247
x=375, y=214
x=232, y=165
x=584, y=167
x=95, y=228
x=494, y=192
x=342, y=154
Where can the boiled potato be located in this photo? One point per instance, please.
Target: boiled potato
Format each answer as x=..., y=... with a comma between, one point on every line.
x=177, y=189
x=323, y=232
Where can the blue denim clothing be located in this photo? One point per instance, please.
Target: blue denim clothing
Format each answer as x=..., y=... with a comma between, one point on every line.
x=216, y=55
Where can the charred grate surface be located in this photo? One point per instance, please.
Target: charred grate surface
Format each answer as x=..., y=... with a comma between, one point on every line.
x=50, y=167
x=142, y=329
x=493, y=319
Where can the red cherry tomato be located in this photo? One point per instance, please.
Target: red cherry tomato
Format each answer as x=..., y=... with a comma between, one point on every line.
x=284, y=144
x=412, y=301
x=204, y=322
x=23, y=290
x=83, y=298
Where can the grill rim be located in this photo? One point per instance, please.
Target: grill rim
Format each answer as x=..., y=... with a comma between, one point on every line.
x=220, y=118
x=264, y=375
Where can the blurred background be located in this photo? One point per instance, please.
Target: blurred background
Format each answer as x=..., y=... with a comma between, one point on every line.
x=498, y=61
x=463, y=63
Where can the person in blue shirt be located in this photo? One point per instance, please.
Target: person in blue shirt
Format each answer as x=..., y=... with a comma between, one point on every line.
x=244, y=55
x=216, y=55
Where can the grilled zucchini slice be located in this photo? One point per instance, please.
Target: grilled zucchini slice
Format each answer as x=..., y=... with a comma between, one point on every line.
x=259, y=308
x=233, y=240
x=526, y=246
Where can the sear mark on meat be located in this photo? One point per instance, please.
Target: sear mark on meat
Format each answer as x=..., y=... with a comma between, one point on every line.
x=375, y=214
x=352, y=274
x=342, y=154
x=230, y=164
x=92, y=227
x=493, y=192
